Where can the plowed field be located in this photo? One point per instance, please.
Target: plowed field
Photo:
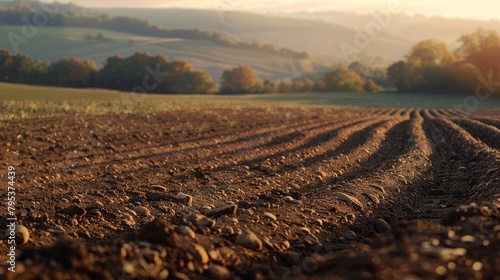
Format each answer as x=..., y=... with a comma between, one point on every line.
x=257, y=193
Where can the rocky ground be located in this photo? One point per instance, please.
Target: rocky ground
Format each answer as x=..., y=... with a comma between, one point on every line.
x=256, y=193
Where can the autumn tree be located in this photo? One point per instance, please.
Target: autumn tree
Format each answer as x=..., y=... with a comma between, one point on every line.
x=431, y=67
x=269, y=87
x=342, y=79
x=481, y=49
x=240, y=80
x=285, y=86
x=430, y=53
x=302, y=85
x=371, y=87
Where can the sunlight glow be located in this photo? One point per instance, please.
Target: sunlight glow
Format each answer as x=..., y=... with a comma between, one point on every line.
x=483, y=9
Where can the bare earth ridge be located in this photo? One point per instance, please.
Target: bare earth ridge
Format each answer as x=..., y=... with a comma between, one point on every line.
x=257, y=193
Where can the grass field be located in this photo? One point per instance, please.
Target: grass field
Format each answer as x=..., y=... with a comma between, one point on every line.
x=22, y=101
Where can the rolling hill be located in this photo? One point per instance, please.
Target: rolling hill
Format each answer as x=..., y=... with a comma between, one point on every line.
x=321, y=39
x=421, y=27
x=53, y=43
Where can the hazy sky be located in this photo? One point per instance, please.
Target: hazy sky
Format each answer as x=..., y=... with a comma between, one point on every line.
x=480, y=9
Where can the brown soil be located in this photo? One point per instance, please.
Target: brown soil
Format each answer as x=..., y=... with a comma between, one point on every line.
x=332, y=193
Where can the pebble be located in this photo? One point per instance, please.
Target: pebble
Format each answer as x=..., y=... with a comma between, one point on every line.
x=372, y=198
x=269, y=216
x=22, y=234
x=58, y=230
x=348, y=198
x=158, y=188
x=288, y=199
x=322, y=174
x=393, y=189
x=227, y=231
x=377, y=187
x=309, y=211
x=349, y=235
x=218, y=272
x=73, y=210
x=128, y=220
x=311, y=239
x=184, y=198
x=381, y=225
x=199, y=220
x=305, y=230
x=249, y=240
x=96, y=204
x=141, y=210
x=199, y=253
x=148, y=219
x=221, y=211
x=318, y=221
x=185, y=230
x=286, y=244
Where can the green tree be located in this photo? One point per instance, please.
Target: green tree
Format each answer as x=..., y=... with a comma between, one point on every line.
x=240, y=80
x=72, y=72
x=6, y=60
x=26, y=70
x=193, y=82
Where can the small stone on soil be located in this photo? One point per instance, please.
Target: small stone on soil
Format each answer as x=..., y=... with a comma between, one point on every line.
x=158, y=188
x=221, y=211
x=185, y=230
x=143, y=211
x=381, y=225
x=199, y=220
x=349, y=235
x=184, y=199
x=393, y=189
x=218, y=272
x=249, y=240
x=22, y=234
x=269, y=216
x=347, y=198
x=199, y=253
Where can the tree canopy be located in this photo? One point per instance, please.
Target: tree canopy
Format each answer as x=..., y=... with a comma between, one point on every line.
x=431, y=67
x=240, y=80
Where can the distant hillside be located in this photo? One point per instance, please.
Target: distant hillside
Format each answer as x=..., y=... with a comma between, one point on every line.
x=414, y=28
x=16, y=15
x=321, y=39
x=54, y=43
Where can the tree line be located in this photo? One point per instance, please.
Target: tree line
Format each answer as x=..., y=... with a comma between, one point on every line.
x=430, y=66
x=17, y=16
x=143, y=73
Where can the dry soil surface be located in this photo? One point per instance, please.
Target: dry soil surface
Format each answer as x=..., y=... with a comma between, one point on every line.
x=256, y=193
